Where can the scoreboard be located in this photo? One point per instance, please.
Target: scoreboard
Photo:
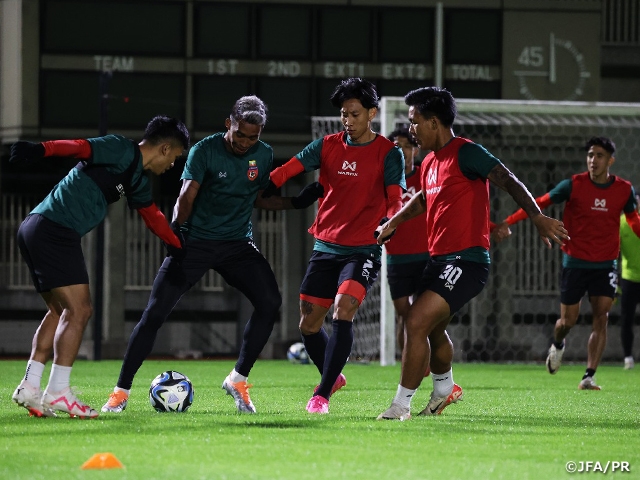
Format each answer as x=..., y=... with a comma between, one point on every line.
x=194, y=58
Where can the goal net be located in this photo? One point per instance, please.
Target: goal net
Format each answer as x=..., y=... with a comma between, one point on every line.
x=542, y=143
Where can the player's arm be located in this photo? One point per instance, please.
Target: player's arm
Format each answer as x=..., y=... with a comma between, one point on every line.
x=55, y=148
x=548, y=228
x=307, y=160
x=155, y=221
x=305, y=198
x=411, y=209
x=633, y=219
x=184, y=204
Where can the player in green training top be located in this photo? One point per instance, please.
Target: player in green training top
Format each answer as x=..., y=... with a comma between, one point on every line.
x=49, y=239
x=223, y=179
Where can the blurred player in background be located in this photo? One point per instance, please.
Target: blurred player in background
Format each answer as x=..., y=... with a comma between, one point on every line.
x=49, y=239
x=222, y=179
x=455, y=195
x=407, y=251
x=629, y=284
x=595, y=199
x=363, y=177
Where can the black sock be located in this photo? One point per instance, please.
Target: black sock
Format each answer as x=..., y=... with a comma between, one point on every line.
x=559, y=345
x=338, y=351
x=589, y=373
x=316, y=346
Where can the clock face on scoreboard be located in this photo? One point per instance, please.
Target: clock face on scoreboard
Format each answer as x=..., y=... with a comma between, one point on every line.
x=551, y=58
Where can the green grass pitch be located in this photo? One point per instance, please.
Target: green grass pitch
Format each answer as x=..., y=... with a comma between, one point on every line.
x=516, y=422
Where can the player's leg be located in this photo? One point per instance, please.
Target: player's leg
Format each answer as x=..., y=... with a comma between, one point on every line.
x=572, y=289
x=601, y=288
x=317, y=292
x=243, y=267
x=445, y=391
x=29, y=393
x=446, y=287
x=628, y=300
x=172, y=281
x=401, y=306
x=76, y=303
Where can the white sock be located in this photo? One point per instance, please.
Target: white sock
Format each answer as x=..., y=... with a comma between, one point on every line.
x=442, y=383
x=118, y=389
x=626, y=359
x=236, y=377
x=59, y=378
x=403, y=396
x=33, y=375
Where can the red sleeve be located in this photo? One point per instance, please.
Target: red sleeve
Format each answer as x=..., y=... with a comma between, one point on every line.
x=394, y=200
x=155, y=221
x=290, y=169
x=67, y=148
x=543, y=202
x=633, y=219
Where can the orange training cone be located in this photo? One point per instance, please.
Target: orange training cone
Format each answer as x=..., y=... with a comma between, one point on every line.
x=102, y=460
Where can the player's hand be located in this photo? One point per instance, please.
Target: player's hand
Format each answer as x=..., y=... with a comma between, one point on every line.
x=501, y=232
x=384, y=232
x=177, y=253
x=307, y=196
x=21, y=151
x=270, y=191
x=550, y=229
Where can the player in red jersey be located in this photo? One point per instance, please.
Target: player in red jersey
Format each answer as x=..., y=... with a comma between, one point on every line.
x=455, y=195
x=594, y=200
x=407, y=251
x=363, y=178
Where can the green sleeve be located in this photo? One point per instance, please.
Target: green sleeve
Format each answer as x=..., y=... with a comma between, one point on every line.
x=561, y=192
x=475, y=161
x=394, y=168
x=195, y=167
x=311, y=155
x=631, y=205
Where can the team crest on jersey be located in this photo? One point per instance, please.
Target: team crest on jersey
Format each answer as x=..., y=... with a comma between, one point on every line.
x=252, y=172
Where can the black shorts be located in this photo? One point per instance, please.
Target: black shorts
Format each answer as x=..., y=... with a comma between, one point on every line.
x=597, y=282
x=53, y=253
x=327, y=272
x=457, y=281
x=404, y=278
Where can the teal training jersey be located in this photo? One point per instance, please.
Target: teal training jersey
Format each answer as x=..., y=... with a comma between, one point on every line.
x=630, y=252
x=77, y=202
x=229, y=186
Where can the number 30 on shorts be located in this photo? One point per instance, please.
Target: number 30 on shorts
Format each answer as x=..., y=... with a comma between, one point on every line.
x=451, y=274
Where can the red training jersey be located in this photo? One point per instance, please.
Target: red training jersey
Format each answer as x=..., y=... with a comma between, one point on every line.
x=457, y=207
x=411, y=236
x=592, y=218
x=355, y=198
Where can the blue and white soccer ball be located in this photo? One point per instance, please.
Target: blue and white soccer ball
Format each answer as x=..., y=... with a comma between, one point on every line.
x=171, y=392
x=298, y=354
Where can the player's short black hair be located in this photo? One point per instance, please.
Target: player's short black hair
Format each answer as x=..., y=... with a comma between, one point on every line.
x=603, y=142
x=162, y=128
x=403, y=132
x=358, y=88
x=249, y=109
x=433, y=102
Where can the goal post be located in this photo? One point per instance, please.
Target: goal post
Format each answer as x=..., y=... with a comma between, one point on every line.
x=542, y=143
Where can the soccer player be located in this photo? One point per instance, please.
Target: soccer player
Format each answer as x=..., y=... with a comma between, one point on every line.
x=222, y=179
x=407, y=251
x=363, y=177
x=49, y=239
x=455, y=195
x=595, y=199
x=629, y=284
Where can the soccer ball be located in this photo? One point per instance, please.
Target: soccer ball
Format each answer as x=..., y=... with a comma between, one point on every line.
x=298, y=354
x=171, y=392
